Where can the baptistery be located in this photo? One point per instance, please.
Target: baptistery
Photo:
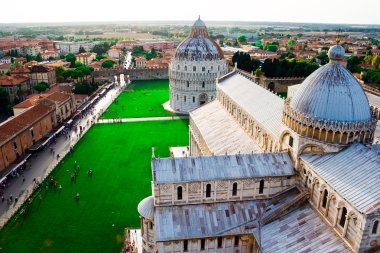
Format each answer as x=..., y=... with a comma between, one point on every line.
x=197, y=62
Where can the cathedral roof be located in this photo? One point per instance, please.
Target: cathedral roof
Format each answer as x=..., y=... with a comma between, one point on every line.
x=300, y=231
x=265, y=107
x=226, y=136
x=332, y=93
x=146, y=207
x=353, y=172
x=205, y=168
x=199, y=45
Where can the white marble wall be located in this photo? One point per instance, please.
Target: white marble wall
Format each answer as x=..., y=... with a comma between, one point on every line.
x=190, y=81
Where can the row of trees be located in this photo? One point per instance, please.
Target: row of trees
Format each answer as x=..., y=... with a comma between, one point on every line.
x=373, y=60
x=288, y=68
x=275, y=68
x=371, y=76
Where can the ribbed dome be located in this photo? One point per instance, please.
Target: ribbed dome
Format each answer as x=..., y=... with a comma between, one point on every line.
x=332, y=93
x=199, y=46
x=146, y=208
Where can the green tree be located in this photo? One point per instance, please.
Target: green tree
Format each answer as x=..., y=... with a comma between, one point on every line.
x=39, y=57
x=62, y=56
x=41, y=87
x=108, y=64
x=323, y=58
x=258, y=72
x=71, y=58
x=4, y=102
x=100, y=56
x=82, y=50
x=242, y=39
x=375, y=61
x=272, y=48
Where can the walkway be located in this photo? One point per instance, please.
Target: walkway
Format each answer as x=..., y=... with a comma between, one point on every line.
x=119, y=120
x=44, y=162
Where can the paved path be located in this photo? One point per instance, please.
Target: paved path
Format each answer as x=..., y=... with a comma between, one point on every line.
x=44, y=161
x=118, y=120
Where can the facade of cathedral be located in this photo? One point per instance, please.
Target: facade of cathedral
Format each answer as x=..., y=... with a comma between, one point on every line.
x=197, y=63
x=268, y=175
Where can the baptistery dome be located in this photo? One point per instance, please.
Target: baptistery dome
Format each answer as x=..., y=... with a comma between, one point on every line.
x=199, y=46
x=197, y=62
x=330, y=105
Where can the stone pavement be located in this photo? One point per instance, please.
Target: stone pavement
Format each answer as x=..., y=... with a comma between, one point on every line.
x=119, y=120
x=45, y=161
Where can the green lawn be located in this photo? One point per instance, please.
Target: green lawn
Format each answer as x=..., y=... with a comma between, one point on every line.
x=141, y=99
x=119, y=155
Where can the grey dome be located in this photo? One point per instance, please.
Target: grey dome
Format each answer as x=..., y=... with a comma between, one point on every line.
x=199, y=22
x=332, y=93
x=146, y=208
x=336, y=53
x=199, y=46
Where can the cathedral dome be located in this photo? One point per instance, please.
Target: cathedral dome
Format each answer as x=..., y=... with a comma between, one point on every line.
x=146, y=208
x=199, y=46
x=332, y=93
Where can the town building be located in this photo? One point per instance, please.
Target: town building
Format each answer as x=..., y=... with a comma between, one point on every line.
x=21, y=132
x=6, y=59
x=271, y=175
x=48, y=55
x=64, y=104
x=114, y=53
x=158, y=45
x=40, y=73
x=140, y=62
x=86, y=58
x=197, y=63
x=16, y=86
x=73, y=47
x=5, y=68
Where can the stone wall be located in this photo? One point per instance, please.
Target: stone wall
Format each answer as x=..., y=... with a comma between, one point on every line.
x=210, y=245
x=221, y=190
x=134, y=73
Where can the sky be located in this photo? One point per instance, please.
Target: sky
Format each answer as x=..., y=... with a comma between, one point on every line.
x=313, y=11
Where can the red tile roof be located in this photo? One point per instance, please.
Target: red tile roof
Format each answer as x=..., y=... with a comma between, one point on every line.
x=12, y=80
x=12, y=127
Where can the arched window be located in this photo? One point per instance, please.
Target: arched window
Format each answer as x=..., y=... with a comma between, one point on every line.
x=203, y=244
x=291, y=141
x=342, y=220
x=177, y=97
x=187, y=84
x=234, y=189
x=193, y=99
x=212, y=67
x=185, y=68
x=203, y=84
x=185, y=245
x=150, y=225
x=184, y=98
x=208, y=190
x=203, y=69
x=179, y=192
x=261, y=186
x=375, y=227
x=324, y=200
x=194, y=68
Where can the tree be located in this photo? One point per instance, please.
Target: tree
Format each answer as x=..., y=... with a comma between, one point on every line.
x=353, y=63
x=108, y=64
x=71, y=58
x=242, y=39
x=39, y=57
x=82, y=50
x=272, y=48
x=41, y=87
x=375, y=61
x=101, y=48
x=323, y=58
x=258, y=72
x=100, y=56
x=4, y=101
x=62, y=56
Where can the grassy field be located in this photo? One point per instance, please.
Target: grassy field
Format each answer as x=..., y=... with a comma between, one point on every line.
x=119, y=155
x=141, y=99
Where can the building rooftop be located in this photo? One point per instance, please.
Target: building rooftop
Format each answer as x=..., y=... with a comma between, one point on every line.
x=12, y=80
x=300, y=231
x=205, y=168
x=12, y=126
x=354, y=174
x=265, y=107
x=225, y=135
